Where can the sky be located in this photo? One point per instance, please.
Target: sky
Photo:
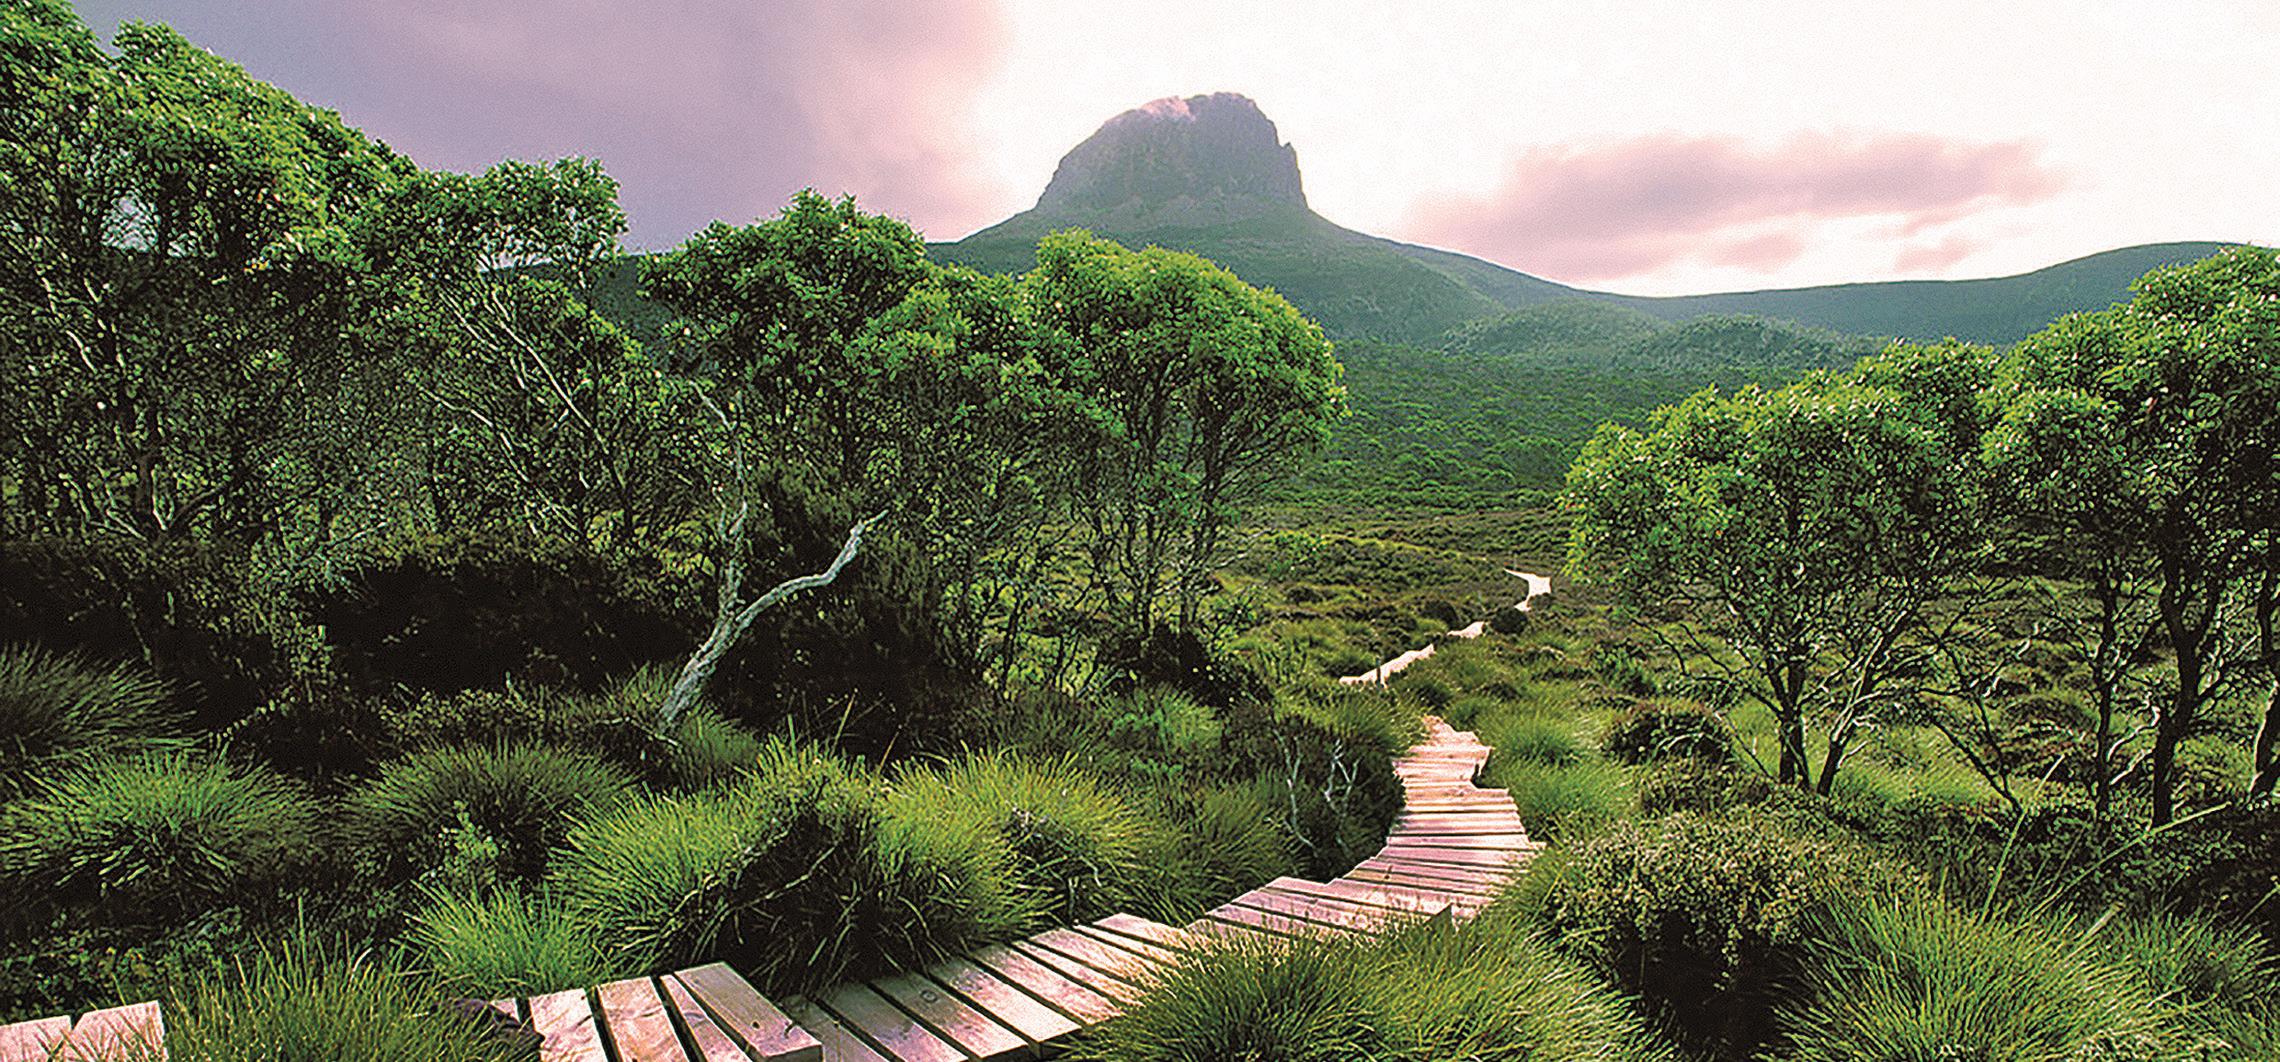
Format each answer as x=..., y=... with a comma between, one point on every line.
x=1644, y=147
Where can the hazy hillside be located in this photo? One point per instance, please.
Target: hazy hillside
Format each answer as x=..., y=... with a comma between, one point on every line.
x=1996, y=310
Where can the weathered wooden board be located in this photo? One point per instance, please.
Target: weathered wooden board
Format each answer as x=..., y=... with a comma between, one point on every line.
x=763, y=1028
x=566, y=1027
x=639, y=1027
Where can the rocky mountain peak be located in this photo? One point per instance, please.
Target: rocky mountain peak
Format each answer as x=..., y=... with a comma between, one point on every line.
x=1197, y=160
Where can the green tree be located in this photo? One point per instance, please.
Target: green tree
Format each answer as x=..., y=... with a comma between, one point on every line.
x=1809, y=530
x=1206, y=388
x=2154, y=426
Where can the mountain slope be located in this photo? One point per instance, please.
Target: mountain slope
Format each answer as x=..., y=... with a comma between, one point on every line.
x=1995, y=310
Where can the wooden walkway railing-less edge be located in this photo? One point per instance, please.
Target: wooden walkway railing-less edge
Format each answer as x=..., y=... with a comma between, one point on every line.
x=1452, y=848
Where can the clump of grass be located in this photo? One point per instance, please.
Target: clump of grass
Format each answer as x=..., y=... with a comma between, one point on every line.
x=1539, y=740
x=1388, y=724
x=523, y=796
x=309, y=1004
x=1562, y=801
x=1422, y=994
x=1917, y=978
x=1081, y=849
x=2193, y=961
x=1216, y=843
x=793, y=874
x=62, y=712
x=159, y=835
x=507, y=944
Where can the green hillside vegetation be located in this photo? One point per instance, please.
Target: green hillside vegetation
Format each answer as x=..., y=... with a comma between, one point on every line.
x=1498, y=413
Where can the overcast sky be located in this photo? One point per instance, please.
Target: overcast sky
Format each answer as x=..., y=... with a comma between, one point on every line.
x=1656, y=148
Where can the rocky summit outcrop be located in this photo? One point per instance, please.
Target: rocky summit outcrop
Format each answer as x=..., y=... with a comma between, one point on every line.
x=1201, y=160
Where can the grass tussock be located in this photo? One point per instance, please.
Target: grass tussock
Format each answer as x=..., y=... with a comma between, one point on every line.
x=1424, y=994
x=61, y=712
x=307, y=1003
x=160, y=835
x=1920, y=978
x=523, y=797
x=508, y=944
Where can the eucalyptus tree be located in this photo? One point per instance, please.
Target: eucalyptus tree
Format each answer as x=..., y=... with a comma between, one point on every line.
x=2151, y=428
x=1807, y=531
x=1206, y=388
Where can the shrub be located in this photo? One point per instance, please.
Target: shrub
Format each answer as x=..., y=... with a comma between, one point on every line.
x=1916, y=977
x=1335, y=796
x=1080, y=848
x=791, y=874
x=1693, y=785
x=161, y=835
x=614, y=723
x=223, y=645
x=507, y=944
x=60, y=712
x=1704, y=917
x=302, y=1002
x=1509, y=621
x=523, y=796
x=1619, y=669
x=1651, y=731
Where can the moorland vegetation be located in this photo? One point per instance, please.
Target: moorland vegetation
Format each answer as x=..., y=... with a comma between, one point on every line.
x=389, y=613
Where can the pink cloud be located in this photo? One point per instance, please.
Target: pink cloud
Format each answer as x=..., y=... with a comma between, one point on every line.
x=701, y=109
x=1934, y=257
x=1601, y=212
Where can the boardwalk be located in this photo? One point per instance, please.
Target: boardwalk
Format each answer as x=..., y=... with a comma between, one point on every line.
x=1452, y=848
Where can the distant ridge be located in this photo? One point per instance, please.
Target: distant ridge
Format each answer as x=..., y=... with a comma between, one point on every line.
x=1210, y=174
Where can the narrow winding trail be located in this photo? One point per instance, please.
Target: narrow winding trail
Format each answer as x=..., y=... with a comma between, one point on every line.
x=1538, y=586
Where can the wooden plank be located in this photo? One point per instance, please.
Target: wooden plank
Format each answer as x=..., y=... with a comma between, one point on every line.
x=1079, y=1002
x=1422, y=878
x=1490, y=842
x=993, y=995
x=1153, y=932
x=1146, y=949
x=1335, y=913
x=634, y=1018
x=1400, y=899
x=1119, y=991
x=897, y=1035
x=133, y=1031
x=1284, y=925
x=566, y=1027
x=1445, y=875
x=839, y=1044
x=707, y=1040
x=1127, y=963
x=747, y=1016
x=33, y=1041
x=1487, y=859
x=1234, y=933
x=951, y=1017
x=1479, y=822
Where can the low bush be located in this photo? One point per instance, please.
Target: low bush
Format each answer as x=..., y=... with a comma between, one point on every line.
x=62, y=712
x=507, y=944
x=1619, y=669
x=1706, y=918
x=156, y=837
x=1651, y=731
x=1081, y=849
x=525, y=797
x=307, y=1003
x=1695, y=785
x=1916, y=978
x=1163, y=724
x=792, y=874
x=614, y=722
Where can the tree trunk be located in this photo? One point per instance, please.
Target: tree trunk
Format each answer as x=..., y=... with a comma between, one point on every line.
x=733, y=616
